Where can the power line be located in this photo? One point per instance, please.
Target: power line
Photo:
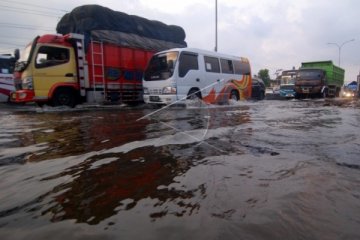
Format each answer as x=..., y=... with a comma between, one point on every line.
x=27, y=27
x=28, y=11
x=12, y=37
x=34, y=5
x=13, y=44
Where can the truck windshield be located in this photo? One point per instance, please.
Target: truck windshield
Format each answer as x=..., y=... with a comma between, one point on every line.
x=22, y=63
x=161, y=66
x=287, y=87
x=310, y=74
x=24, y=56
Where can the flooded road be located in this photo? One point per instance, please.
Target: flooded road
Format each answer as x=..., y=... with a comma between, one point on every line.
x=253, y=170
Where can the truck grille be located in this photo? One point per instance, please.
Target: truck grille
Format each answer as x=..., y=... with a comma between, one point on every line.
x=155, y=91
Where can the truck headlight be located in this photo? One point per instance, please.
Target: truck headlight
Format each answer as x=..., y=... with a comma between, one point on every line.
x=169, y=90
x=27, y=83
x=146, y=90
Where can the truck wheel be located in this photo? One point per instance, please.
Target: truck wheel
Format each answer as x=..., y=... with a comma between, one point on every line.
x=323, y=94
x=337, y=94
x=234, y=95
x=64, y=97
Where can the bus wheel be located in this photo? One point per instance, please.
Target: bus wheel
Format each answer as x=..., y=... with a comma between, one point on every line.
x=64, y=97
x=234, y=95
x=194, y=94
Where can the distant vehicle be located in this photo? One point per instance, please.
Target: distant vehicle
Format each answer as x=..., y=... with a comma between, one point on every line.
x=319, y=79
x=287, y=90
x=350, y=90
x=187, y=73
x=288, y=77
x=258, y=89
x=276, y=90
x=7, y=64
x=269, y=91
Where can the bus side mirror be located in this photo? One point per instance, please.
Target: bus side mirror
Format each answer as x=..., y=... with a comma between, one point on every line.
x=17, y=54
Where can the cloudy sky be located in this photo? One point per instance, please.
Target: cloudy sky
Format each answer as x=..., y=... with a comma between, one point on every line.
x=273, y=34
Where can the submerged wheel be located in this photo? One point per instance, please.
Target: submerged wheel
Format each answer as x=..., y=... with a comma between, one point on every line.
x=64, y=97
x=194, y=94
x=323, y=94
x=234, y=95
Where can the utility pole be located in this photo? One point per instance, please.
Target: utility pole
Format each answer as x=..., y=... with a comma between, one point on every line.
x=216, y=22
x=340, y=46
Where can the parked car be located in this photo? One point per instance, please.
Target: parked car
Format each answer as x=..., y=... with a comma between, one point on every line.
x=269, y=91
x=258, y=89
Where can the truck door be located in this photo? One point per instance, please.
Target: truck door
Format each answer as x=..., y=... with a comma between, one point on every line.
x=53, y=66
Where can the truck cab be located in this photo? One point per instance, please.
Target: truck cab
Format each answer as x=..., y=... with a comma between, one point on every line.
x=46, y=72
x=319, y=79
x=309, y=82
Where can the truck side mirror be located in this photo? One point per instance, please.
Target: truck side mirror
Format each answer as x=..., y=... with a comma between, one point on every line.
x=16, y=54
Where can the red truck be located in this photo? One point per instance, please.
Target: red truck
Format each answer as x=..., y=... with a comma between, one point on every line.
x=98, y=57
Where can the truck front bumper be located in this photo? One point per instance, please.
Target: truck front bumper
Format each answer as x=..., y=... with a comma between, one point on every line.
x=308, y=89
x=22, y=96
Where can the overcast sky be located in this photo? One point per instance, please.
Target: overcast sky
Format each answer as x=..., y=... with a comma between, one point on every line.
x=273, y=34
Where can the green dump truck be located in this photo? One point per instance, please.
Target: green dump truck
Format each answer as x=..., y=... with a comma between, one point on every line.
x=319, y=79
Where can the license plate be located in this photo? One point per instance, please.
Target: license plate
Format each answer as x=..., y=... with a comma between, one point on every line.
x=305, y=90
x=154, y=98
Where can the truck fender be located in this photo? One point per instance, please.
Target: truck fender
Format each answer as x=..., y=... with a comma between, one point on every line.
x=55, y=86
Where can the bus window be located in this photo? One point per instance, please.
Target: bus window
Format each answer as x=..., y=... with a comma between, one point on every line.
x=226, y=66
x=212, y=64
x=188, y=61
x=242, y=68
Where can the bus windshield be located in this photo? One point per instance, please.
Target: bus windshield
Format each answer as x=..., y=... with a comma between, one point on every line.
x=161, y=66
x=310, y=74
x=7, y=64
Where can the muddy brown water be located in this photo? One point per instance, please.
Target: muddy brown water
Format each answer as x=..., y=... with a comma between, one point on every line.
x=253, y=170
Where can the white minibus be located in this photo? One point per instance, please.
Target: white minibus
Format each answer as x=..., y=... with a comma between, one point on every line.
x=175, y=75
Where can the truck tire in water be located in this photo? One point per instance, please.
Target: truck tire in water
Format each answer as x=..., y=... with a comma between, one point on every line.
x=323, y=94
x=64, y=97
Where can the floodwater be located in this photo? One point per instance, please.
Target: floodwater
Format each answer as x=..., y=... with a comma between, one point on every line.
x=252, y=170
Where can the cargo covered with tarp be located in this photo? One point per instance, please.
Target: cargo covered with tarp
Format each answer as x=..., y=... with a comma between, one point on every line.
x=103, y=24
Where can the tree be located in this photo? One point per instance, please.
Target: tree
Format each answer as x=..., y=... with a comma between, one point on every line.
x=264, y=75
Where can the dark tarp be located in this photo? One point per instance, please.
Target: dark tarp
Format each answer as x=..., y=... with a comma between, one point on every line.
x=132, y=40
x=134, y=31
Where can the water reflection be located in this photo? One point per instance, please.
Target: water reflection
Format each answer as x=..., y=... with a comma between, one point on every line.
x=69, y=134
x=98, y=193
